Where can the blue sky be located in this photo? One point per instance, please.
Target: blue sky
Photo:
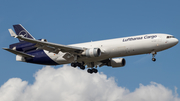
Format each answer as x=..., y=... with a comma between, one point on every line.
x=68, y=22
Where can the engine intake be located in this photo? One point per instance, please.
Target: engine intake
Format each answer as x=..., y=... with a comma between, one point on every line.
x=118, y=62
x=93, y=52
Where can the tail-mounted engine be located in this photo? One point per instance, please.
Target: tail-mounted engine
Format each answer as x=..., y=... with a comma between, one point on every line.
x=93, y=52
x=118, y=62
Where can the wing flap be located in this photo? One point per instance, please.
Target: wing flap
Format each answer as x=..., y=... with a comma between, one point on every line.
x=19, y=53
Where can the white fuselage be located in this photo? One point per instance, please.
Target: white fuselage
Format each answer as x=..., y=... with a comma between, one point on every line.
x=120, y=47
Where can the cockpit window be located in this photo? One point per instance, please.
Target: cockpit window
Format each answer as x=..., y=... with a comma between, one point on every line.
x=170, y=37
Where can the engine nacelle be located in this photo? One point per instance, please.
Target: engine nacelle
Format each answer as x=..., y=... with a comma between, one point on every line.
x=118, y=62
x=93, y=52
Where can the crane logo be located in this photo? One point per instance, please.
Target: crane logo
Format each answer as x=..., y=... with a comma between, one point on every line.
x=23, y=33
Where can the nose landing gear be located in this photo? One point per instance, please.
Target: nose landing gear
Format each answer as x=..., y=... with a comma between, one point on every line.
x=154, y=59
x=153, y=55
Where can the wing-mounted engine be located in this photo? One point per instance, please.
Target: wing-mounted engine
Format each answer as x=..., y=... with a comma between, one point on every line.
x=92, y=52
x=118, y=62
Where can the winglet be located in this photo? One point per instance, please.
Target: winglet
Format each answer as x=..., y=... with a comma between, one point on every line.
x=12, y=33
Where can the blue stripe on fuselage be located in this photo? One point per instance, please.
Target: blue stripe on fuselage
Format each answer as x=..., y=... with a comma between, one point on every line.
x=40, y=58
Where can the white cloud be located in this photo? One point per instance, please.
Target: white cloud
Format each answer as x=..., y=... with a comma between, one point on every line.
x=69, y=84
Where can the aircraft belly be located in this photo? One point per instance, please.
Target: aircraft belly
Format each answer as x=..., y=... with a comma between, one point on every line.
x=93, y=59
x=58, y=58
x=40, y=58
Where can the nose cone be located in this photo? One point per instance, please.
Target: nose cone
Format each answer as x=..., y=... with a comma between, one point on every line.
x=176, y=41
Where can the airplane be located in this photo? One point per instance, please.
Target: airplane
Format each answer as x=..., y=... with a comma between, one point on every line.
x=88, y=55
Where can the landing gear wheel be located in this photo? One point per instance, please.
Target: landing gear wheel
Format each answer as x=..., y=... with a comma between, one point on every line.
x=153, y=55
x=73, y=65
x=82, y=67
x=154, y=59
x=78, y=64
x=90, y=71
x=94, y=70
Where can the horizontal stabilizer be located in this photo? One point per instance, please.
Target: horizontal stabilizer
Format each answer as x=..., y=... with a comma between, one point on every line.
x=12, y=33
x=19, y=53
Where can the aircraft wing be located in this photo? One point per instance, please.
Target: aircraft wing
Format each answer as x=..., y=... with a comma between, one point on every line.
x=52, y=47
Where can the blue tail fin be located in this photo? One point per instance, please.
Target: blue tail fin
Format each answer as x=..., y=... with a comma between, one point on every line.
x=20, y=30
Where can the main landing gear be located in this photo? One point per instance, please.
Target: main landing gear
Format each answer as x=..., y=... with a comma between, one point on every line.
x=153, y=55
x=93, y=70
x=80, y=65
